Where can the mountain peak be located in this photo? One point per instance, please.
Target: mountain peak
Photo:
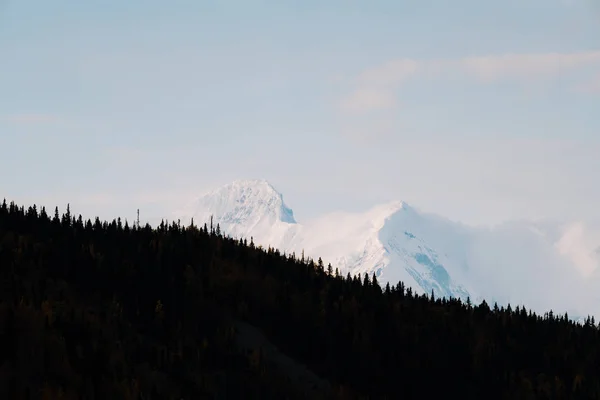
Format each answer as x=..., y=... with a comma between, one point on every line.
x=389, y=209
x=247, y=202
x=249, y=184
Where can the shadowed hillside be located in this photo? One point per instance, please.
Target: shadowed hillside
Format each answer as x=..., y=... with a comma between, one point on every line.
x=98, y=310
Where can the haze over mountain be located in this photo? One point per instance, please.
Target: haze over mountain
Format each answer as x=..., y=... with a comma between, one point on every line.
x=545, y=265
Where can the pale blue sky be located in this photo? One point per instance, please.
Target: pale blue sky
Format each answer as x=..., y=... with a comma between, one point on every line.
x=480, y=111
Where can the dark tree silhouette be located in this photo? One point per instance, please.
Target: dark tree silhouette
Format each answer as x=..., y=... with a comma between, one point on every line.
x=104, y=310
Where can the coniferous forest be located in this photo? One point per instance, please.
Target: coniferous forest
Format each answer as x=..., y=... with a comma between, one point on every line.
x=111, y=310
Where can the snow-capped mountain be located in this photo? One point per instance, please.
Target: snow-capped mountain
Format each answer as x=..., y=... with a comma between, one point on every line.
x=245, y=209
x=543, y=265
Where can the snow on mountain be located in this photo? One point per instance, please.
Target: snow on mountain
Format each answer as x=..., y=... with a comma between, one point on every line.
x=244, y=208
x=393, y=241
x=543, y=265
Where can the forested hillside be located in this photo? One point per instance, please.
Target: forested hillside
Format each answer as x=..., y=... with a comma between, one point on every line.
x=99, y=310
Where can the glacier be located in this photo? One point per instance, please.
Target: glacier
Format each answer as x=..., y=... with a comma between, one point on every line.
x=543, y=265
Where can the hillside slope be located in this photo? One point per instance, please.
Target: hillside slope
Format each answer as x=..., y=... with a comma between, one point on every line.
x=102, y=310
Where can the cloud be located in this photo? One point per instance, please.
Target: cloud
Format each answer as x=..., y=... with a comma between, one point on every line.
x=370, y=104
x=526, y=66
x=368, y=99
x=580, y=244
x=32, y=119
x=375, y=88
x=391, y=73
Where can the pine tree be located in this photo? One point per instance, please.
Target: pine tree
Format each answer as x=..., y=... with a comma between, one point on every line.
x=66, y=217
x=374, y=281
x=320, y=265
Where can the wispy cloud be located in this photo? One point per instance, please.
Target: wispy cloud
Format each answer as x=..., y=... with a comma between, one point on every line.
x=32, y=119
x=369, y=107
x=368, y=99
x=376, y=87
x=391, y=73
x=527, y=66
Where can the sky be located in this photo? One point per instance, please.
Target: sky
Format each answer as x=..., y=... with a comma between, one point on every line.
x=479, y=111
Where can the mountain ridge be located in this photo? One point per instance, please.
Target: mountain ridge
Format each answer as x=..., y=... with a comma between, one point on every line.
x=358, y=243
x=513, y=262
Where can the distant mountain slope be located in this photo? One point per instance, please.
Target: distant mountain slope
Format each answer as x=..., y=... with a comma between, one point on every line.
x=545, y=265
